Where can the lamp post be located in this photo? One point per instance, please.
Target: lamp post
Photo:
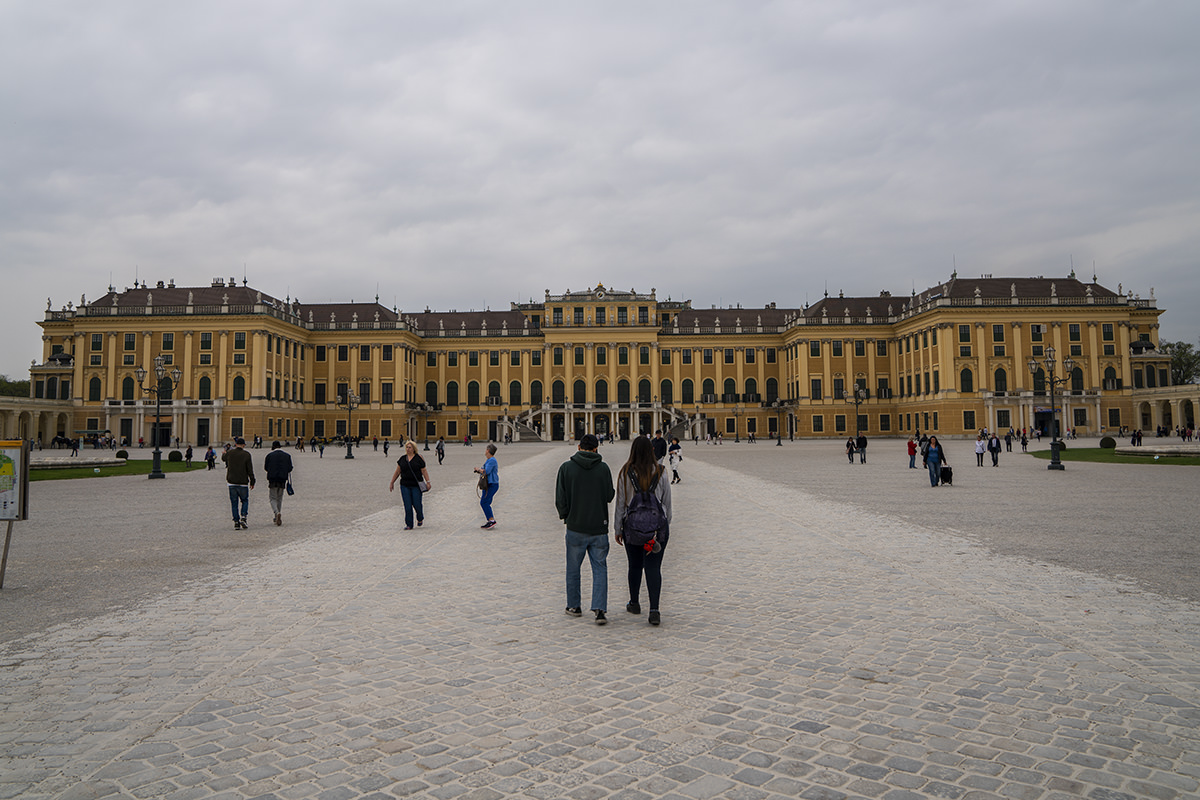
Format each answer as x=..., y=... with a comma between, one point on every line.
x=738, y=410
x=425, y=409
x=465, y=413
x=1051, y=367
x=161, y=384
x=777, y=404
x=860, y=395
x=504, y=433
x=349, y=402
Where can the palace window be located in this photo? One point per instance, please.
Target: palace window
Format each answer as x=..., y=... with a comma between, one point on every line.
x=997, y=333
x=860, y=348
x=837, y=348
x=685, y=357
x=964, y=333
x=514, y=358
x=601, y=355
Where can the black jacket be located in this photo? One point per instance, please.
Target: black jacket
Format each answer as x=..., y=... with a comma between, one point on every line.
x=278, y=466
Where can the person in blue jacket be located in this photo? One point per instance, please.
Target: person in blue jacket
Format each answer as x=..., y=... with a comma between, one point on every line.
x=491, y=472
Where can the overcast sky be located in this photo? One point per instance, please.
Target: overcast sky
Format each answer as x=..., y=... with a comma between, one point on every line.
x=464, y=155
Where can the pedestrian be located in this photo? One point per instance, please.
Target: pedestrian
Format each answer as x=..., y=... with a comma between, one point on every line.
x=321, y=449
x=187, y=457
x=994, y=448
x=980, y=449
x=675, y=455
x=850, y=449
x=441, y=449
x=278, y=466
x=935, y=457
x=582, y=492
x=642, y=474
x=239, y=475
x=912, y=453
x=660, y=447
x=375, y=443
x=210, y=456
x=861, y=445
x=385, y=448
x=414, y=480
x=1008, y=437
x=1024, y=442
x=490, y=484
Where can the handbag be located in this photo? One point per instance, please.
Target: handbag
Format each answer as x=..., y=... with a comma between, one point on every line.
x=290, y=490
x=483, y=482
x=423, y=486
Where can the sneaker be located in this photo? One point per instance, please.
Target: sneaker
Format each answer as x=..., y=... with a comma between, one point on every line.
x=420, y=522
x=633, y=608
x=654, y=618
x=491, y=523
x=600, y=618
x=245, y=524
x=279, y=519
x=408, y=527
x=237, y=524
x=575, y=612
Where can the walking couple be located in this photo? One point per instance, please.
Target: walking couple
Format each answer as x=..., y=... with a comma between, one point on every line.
x=583, y=490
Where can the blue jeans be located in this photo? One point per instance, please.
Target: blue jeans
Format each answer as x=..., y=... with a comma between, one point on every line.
x=411, y=495
x=596, y=548
x=912, y=461
x=935, y=472
x=239, y=493
x=485, y=502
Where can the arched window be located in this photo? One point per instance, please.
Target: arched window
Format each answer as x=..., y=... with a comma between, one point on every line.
x=493, y=389
x=514, y=393
x=535, y=394
x=751, y=386
x=623, y=392
x=452, y=393
x=1110, y=378
x=644, y=391
x=473, y=393
x=1077, y=380
x=431, y=392
x=128, y=387
x=1039, y=381
x=1000, y=381
x=94, y=390
x=602, y=392
x=579, y=392
x=687, y=392
x=729, y=388
x=772, y=390
x=665, y=393
x=708, y=388
x=558, y=393
x=206, y=388
x=166, y=389
x=966, y=380
x=239, y=388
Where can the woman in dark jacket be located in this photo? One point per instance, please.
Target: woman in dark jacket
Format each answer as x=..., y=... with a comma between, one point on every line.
x=641, y=472
x=935, y=457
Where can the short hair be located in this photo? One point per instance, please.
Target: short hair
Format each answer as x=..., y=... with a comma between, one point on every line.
x=491, y=448
x=275, y=445
x=589, y=441
x=239, y=440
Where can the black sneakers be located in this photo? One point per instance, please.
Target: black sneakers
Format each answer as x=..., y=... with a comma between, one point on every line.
x=633, y=608
x=575, y=612
x=600, y=618
x=654, y=618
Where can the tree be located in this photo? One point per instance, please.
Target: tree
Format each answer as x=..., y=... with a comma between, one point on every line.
x=9, y=388
x=1185, y=361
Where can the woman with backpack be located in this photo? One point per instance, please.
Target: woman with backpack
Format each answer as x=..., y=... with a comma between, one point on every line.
x=642, y=520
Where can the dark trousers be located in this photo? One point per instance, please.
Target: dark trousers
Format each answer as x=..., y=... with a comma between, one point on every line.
x=651, y=563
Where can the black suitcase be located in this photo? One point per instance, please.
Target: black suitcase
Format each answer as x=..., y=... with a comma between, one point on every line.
x=947, y=475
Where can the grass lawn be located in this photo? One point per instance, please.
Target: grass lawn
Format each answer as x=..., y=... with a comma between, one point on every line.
x=1101, y=455
x=131, y=467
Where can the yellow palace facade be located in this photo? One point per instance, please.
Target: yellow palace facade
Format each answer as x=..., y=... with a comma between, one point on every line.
x=950, y=360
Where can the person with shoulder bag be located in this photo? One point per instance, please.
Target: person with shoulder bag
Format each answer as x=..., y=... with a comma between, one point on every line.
x=414, y=479
x=643, y=520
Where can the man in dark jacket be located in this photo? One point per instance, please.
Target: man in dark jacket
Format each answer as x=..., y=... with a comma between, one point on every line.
x=239, y=474
x=278, y=465
x=660, y=447
x=582, y=492
x=860, y=444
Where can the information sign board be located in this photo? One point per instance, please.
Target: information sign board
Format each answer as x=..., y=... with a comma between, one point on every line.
x=14, y=480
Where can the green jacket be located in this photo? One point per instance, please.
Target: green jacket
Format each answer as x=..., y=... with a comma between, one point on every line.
x=239, y=467
x=582, y=492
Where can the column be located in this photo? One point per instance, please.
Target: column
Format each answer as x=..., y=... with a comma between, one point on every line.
x=110, y=362
x=222, y=387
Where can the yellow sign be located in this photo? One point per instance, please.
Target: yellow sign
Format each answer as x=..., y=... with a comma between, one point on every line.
x=14, y=479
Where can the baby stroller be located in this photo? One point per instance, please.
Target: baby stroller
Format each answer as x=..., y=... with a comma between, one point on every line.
x=947, y=475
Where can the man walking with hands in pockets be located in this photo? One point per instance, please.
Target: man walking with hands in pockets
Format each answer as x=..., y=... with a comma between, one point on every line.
x=582, y=492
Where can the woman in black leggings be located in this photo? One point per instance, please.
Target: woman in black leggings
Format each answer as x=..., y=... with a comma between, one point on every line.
x=640, y=473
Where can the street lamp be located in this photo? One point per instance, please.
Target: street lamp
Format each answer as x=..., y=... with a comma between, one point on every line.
x=738, y=410
x=778, y=404
x=349, y=402
x=1051, y=365
x=504, y=433
x=465, y=413
x=425, y=409
x=860, y=395
x=161, y=384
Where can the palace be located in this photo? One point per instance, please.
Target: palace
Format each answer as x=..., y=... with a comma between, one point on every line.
x=951, y=359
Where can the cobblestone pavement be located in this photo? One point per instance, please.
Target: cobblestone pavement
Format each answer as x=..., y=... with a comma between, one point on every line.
x=809, y=648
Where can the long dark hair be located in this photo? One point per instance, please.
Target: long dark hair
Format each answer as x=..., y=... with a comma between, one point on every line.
x=642, y=463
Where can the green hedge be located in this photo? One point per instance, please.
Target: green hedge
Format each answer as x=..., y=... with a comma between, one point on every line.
x=1108, y=442
x=175, y=455
x=122, y=454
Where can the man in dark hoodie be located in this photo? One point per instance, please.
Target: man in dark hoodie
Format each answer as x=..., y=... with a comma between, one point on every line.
x=582, y=492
